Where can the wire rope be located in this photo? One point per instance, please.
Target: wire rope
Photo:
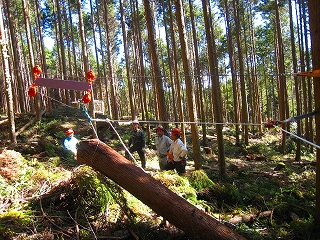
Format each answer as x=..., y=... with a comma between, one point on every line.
x=177, y=122
x=93, y=128
x=296, y=136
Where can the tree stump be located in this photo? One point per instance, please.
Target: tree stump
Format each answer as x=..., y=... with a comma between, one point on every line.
x=193, y=221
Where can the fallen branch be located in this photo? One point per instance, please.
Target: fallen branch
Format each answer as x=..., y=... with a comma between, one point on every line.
x=50, y=220
x=28, y=124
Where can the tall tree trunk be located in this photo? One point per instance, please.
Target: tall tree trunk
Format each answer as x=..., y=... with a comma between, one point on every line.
x=197, y=74
x=155, y=62
x=141, y=71
x=302, y=32
x=296, y=83
x=113, y=85
x=16, y=58
x=255, y=85
x=43, y=53
x=314, y=19
x=86, y=66
x=8, y=86
x=126, y=53
x=73, y=47
x=310, y=135
x=283, y=105
x=176, y=87
x=93, y=23
x=232, y=61
x=30, y=50
x=69, y=51
x=189, y=85
x=244, y=107
x=62, y=49
x=215, y=85
x=106, y=94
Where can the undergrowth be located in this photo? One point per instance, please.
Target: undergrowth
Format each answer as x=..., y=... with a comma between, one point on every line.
x=46, y=194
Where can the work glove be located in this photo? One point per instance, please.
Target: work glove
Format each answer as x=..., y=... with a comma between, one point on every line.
x=170, y=156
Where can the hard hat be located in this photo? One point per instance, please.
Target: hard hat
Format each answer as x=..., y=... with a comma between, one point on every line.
x=135, y=121
x=176, y=131
x=160, y=128
x=69, y=131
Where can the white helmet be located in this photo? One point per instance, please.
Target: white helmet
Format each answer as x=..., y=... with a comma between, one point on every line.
x=135, y=121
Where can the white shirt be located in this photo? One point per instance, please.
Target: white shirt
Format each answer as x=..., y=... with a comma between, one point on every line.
x=71, y=144
x=178, y=150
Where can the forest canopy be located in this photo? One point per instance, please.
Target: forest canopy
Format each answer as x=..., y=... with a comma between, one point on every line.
x=171, y=61
x=206, y=67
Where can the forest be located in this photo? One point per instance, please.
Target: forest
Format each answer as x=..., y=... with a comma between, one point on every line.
x=226, y=72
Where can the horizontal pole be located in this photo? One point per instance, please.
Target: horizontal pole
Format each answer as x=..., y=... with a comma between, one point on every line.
x=64, y=84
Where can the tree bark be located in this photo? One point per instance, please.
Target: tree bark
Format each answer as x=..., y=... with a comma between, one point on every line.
x=127, y=58
x=110, y=60
x=7, y=83
x=176, y=86
x=197, y=75
x=282, y=88
x=215, y=89
x=155, y=62
x=26, y=13
x=62, y=48
x=296, y=82
x=314, y=19
x=244, y=111
x=189, y=86
x=232, y=61
x=193, y=221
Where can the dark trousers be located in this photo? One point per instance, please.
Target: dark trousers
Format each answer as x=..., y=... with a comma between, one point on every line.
x=179, y=166
x=141, y=153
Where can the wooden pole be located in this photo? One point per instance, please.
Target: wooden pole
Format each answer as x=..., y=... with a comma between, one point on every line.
x=193, y=221
x=8, y=85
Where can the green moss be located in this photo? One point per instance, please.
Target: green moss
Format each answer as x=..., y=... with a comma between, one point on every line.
x=90, y=190
x=178, y=184
x=199, y=180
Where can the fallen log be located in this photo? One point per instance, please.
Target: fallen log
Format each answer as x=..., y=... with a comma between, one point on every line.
x=179, y=212
x=32, y=121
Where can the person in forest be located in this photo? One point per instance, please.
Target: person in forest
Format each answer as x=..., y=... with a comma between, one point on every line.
x=163, y=143
x=70, y=142
x=137, y=143
x=177, y=153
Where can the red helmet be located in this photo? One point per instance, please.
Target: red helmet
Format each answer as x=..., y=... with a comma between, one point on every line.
x=176, y=131
x=160, y=128
x=69, y=131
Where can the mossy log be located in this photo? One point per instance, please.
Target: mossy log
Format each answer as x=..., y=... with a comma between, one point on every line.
x=179, y=212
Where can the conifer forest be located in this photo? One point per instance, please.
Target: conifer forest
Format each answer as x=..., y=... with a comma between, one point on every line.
x=227, y=73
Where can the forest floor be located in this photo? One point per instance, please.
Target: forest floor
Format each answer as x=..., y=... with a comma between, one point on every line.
x=46, y=194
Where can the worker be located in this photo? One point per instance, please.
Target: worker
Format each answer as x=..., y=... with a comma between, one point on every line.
x=70, y=142
x=137, y=143
x=177, y=153
x=162, y=143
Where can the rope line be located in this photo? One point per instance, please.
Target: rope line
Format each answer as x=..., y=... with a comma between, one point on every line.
x=84, y=109
x=274, y=124
x=125, y=147
x=296, y=136
x=75, y=78
x=177, y=122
